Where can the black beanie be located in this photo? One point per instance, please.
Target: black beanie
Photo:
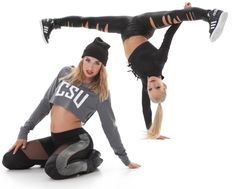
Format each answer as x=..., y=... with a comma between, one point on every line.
x=97, y=49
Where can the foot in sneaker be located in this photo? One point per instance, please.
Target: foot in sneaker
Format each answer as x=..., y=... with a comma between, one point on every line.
x=47, y=26
x=217, y=20
x=93, y=161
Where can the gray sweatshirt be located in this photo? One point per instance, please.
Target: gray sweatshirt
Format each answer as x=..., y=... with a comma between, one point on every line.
x=81, y=102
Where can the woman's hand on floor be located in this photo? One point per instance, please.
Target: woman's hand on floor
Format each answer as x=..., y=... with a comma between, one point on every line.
x=161, y=137
x=133, y=165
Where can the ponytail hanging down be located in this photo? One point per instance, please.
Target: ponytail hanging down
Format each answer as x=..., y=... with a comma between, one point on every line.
x=154, y=130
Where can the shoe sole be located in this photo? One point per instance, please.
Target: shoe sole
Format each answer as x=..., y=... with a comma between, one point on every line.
x=220, y=26
x=44, y=39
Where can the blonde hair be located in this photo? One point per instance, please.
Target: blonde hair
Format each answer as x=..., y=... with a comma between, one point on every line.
x=99, y=85
x=154, y=130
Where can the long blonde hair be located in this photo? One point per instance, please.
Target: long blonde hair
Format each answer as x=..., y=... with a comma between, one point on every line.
x=154, y=130
x=99, y=85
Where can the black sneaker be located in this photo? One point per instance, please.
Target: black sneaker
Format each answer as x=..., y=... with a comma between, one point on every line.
x=217, y=19
x=47, y=26
x=93, y=162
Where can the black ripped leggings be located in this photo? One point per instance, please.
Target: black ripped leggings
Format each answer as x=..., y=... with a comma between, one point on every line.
x=63, y=154
x=127, y=26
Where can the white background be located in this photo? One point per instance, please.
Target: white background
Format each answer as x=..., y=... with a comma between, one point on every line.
x=198, y=112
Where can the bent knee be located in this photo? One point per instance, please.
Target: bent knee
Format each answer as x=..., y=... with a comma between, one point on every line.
x=51, y=168
x=16, y=161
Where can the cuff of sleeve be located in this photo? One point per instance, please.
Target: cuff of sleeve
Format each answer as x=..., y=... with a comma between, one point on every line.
x=125, y=160
x=23, y=134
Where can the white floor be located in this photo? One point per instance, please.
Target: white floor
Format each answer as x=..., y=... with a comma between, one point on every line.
x=177, y=163
x=198, y=112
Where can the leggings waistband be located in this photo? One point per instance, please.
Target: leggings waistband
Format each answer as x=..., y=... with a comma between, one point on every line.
x=67, y=136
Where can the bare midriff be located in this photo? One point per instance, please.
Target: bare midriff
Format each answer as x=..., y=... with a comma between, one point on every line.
x=63, y=120
x=132, y=43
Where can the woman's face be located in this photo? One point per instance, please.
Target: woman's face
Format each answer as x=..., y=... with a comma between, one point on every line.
x=91, y=67
x=155, y=86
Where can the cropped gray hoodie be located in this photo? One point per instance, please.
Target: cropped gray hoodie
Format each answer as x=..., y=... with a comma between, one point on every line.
x=83, y=103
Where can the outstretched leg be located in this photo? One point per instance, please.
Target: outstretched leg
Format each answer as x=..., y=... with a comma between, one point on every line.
x=165, y=18
x=143, y=24
x=215, y=18
x=112, y=24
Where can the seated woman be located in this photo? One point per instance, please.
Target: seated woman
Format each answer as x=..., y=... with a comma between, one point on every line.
x=73, y=97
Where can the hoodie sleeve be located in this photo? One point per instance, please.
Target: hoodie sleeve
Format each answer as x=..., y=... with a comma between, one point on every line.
x=107, y=119
x=165, y=47
x=43, y=108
